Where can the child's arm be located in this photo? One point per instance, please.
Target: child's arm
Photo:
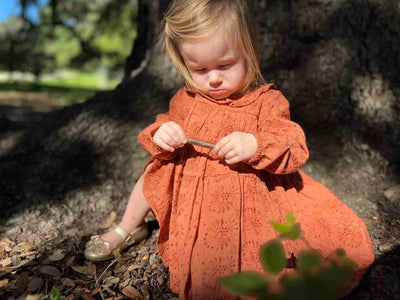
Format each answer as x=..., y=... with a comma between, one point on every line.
x=281, y=145
x=153, y=136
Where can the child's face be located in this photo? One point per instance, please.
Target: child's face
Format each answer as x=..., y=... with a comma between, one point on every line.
x=217, y=68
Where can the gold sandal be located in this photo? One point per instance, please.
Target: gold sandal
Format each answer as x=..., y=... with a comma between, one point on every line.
x=99, y=250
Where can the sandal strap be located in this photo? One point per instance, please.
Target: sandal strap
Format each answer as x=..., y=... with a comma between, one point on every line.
x=121, y=232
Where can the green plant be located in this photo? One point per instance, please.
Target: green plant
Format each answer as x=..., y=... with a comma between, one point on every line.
x=314, y=277
x=55, y=295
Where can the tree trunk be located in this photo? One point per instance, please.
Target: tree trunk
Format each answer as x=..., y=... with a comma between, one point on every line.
x=336, y=61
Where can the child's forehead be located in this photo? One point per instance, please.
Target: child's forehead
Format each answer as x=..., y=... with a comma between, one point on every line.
x=215, y=46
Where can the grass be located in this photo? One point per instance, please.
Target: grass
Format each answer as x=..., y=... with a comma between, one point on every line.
x=66, y=90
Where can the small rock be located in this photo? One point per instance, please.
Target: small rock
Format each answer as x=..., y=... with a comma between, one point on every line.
x=393, y=194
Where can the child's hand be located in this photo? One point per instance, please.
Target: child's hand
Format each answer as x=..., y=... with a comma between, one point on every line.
x=236, y=147
x=170, y=136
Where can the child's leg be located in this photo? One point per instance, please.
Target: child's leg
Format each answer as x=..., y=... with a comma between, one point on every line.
x=135, y=211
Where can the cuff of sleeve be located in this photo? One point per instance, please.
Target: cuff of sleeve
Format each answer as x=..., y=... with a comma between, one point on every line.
x=145, y=139
x=257, y=156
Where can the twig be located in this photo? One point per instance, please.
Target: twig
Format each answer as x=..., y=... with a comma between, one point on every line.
x=200, y=143
x=113, y=262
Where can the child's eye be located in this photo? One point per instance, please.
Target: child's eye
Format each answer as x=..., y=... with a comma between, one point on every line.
x=201, y=70
x=224, y=66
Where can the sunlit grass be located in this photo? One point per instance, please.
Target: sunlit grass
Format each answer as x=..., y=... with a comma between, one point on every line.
x=75, y=87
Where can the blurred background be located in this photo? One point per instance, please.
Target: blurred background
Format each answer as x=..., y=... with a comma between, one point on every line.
x=63, y=51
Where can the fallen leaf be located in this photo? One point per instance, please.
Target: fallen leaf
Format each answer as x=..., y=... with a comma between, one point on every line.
x=57, y=255
x=89, y=269
x=118, y=256
x=16, y=260
x=70, y=297
x=30, y=253
x=23, y=246
x=6, y=262
x=110, y=220
x=154, y=266
x=50, y=270
x=69, y=261
x=22, y=281
x=111, y=280
x=67, y=282
x=131, y=292
x=34, y=297
x=146, y=256
x=96, y=291
x=79, y=269
x=87, y=296
x=133, y=267
x=3, y=282
x=5, y=243
x=35, y=284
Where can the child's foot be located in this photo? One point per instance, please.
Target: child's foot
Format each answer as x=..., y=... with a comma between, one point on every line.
x=101, y=248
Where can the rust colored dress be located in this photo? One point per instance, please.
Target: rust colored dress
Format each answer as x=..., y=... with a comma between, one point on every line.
x=214, y=217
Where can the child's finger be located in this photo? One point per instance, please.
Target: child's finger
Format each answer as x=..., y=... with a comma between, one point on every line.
x=179, y=132
x=165, y=144
x=233, y=160
x=221, y=143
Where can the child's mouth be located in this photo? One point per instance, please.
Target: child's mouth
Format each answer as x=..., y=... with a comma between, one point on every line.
x=218, y=92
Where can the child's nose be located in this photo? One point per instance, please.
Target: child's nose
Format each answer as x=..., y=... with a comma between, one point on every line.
x=214, y=79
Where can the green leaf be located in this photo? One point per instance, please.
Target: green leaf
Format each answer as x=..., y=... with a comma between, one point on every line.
x=293, y=234
x=290, y=218
x=347, y=262
x=306, y=260
x=282, y=228
x=273, y=257
x=244, y=283
x=340, y=252
x=55, y=294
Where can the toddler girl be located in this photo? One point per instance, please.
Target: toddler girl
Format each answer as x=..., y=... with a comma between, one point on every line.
x=214, y=201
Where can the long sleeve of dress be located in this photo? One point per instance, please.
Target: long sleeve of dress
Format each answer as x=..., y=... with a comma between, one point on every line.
x=281, y=143
x=176, y=113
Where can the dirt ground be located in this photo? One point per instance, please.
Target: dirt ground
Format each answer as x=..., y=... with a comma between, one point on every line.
x=42, y=246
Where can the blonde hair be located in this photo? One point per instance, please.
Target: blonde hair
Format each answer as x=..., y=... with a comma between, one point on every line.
x=188, y=20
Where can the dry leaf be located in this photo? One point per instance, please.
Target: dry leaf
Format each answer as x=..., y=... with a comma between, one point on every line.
x=131, y=292
x=96, y=291
x=35, y=284
x=110, y=220
x=91, y=268
x=87, y=296
x=154, y=266
x=50, y=270
x=79, y=269
x=69, y=261
x=34, y=297
x=146, y=256
x=23, y=246
x=67, y=282
x=5, y=243
x=133, y=267
x=22, y=281
x=70, y=297
x=16, y=260
x=111, y=280
x=3, y=282
x=118, y=256
x=6, y=262
x=57, y=255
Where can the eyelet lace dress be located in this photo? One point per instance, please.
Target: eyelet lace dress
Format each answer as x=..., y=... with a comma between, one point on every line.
x=214, y=217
